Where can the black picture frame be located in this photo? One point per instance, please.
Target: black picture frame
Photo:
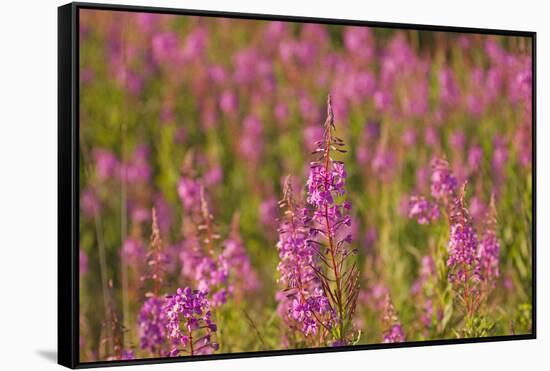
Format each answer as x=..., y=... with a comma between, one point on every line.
x=68, y=180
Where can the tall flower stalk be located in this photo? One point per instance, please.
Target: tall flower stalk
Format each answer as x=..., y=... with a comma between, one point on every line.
x=305, y=304
x=463, y=263
x=152, y=320
x=328, y=237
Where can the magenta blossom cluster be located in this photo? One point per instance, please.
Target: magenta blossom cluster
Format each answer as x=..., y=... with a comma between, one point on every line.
x=296, y=257
x=462, y=261
x=310, y=311
x=489, y=247
x=394, y=334
x=313, y=246
x=422, y=210
x=243, y=276
x=394, y=331
x=444, y=183
x=488, y=254
x=190, y=326
x=189, y=192
x=152, y=323
x=211, y=274
x=305, y=302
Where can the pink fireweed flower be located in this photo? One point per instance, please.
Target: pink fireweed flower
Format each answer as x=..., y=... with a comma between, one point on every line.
x=106, y=164
x=213, y=176
x=89, y=203
x=431, y=136
x=462, y=247
x=243, y=277
x=189, y=323
x=302, y=301
x=423, y=210
x=307, y=312
x=133, y=251
x=297, y=257
x=195, y=44
x=489, y=247
x=156, y=260
x=475, y=158
x=212, y=273
x=449, y=92
x=500, y=154
x=137, y=169
x=251, y=144
x=164, y=213
x=359, y=41
x=189, y=192
x=165, y=47
x=229, y=103
x=152, y=325
x=330, y=214
x=394, y=332
x=444, y=183
x=383, y=164
x=82, y=262
x=268, y=211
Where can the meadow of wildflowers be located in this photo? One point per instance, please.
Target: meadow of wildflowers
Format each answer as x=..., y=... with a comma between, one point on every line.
x=252, y=185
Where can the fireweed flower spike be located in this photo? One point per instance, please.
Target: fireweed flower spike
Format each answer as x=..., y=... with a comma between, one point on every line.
x=489, y=248
x=152, y=320
x=303, y=301
x=394, y=332
x=242, y=274
x=212, y=270
x=325, y=191
x=423, y=210
x=463, y=262
x=190, y=326
x=444, y=183
x=155, y=257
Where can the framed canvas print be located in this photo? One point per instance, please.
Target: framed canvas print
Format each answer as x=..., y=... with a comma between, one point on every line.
x=238, y=185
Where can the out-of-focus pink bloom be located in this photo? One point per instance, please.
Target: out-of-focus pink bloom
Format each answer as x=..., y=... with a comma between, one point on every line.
x=89, y=203
x=229, y=103
x=423, y=210
x=457, y=140
x=358, y=41
x=137, y=169
x=371, y=236
x=382, y=100
x=213, y=176
x=268, y=212
x=475, y=157
x=164, y=214
x=409, y=137
x=312, y=134
x=195, y=44
x=133, y=251
x=500, y=153
x=82, y=263
x=251, y=142
x=449, y=92
x=106, y=164
x=477, y=209
x=217, y=74
x=431, y=136
x=165, y=47
x=383, y=164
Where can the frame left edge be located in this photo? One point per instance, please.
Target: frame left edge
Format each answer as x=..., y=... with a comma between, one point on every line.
x=67, y=254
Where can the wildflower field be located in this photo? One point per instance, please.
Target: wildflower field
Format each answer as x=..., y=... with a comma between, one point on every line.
x=253, y=185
